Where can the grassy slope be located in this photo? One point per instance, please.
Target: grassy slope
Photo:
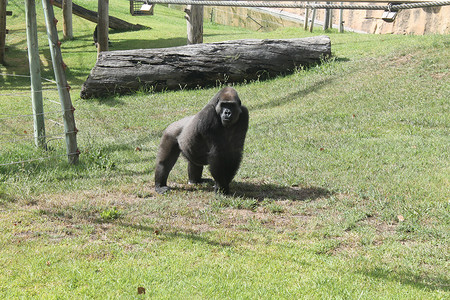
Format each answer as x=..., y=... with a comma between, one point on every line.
x=343, y=190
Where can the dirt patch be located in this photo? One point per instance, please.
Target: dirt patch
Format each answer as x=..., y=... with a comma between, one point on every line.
x=440, y=76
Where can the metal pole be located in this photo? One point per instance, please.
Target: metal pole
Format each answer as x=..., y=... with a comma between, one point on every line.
x=35, y=74
x=63, y=87
x=341, y=20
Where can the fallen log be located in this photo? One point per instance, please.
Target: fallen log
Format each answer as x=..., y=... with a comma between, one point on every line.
x=200, y=65
x=90, y=15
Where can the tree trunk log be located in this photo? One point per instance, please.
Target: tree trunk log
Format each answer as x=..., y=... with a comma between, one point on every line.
x=191, y=66
x=90, y=15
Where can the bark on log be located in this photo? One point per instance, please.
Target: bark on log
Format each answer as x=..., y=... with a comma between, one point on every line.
x=90, y=15
x=199, y=65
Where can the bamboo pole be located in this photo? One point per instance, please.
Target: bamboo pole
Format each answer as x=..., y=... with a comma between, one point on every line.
x=35, y=74
x=63, y=87
x=2, y=31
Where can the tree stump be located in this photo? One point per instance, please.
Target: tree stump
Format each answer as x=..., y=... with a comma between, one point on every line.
x=200, y=65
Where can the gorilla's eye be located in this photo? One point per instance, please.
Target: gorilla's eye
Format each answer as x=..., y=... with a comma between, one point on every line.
x=229, y=106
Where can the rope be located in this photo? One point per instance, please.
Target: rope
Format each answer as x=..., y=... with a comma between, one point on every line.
x=26, y=76
x=393, y=7
x=36, y=159
x=13, y=116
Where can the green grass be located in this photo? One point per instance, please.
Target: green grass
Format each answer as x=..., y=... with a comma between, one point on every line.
x=343, y=192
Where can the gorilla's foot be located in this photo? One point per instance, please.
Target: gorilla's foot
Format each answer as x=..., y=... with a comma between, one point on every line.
x=221, y=190
x=202, y=181
x=162, y=189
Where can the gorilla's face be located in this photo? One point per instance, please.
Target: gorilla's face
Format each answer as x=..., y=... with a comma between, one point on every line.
x=228, y=107
x=228, y=112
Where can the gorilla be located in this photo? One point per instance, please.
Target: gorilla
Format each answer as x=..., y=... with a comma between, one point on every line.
x=214, y=136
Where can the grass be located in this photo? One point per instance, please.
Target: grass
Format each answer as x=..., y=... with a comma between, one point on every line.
x=343, y=190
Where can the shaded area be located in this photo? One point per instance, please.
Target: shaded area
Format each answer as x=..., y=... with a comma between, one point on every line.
x=263, y=191
x=441, y=282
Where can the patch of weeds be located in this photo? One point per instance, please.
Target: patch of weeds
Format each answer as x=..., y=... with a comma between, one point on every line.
x=409, y=226
x=110, y=214
x=352, y=218
x=143, y=194
x=253, y=224
x=273, y=207
x=237, y=203
x=367, y=235
x=4, y=196
x=208, y=216
x=100, y=159
x=326, y=246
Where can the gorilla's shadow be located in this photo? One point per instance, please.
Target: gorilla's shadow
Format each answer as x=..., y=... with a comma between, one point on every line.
x=271, y=191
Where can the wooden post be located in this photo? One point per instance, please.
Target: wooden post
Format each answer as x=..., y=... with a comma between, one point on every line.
x=305, y=23
x=132, y=7
x=103, y=25
x=35, y=74
x=313, y=19
x=67, y=19
x=2, y=31
x=330, y=19
x=194, y=17
x=341, y=20
x=326, y=19
x=63, y=87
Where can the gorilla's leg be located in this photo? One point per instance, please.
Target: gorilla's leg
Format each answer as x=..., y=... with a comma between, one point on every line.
x=167, y=157
x=223, y=170
x=195, y=173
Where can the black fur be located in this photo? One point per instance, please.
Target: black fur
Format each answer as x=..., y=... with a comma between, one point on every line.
x=214, y=136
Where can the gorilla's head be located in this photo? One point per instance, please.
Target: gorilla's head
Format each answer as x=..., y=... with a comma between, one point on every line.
x=228, y=106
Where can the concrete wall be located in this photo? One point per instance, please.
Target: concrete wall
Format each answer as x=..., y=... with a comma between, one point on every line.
x=411, y=21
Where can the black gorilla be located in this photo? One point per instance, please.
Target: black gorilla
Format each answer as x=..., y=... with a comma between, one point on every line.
x=214, y=136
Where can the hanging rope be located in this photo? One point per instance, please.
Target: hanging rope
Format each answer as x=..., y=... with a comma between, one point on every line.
x=249, y=3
